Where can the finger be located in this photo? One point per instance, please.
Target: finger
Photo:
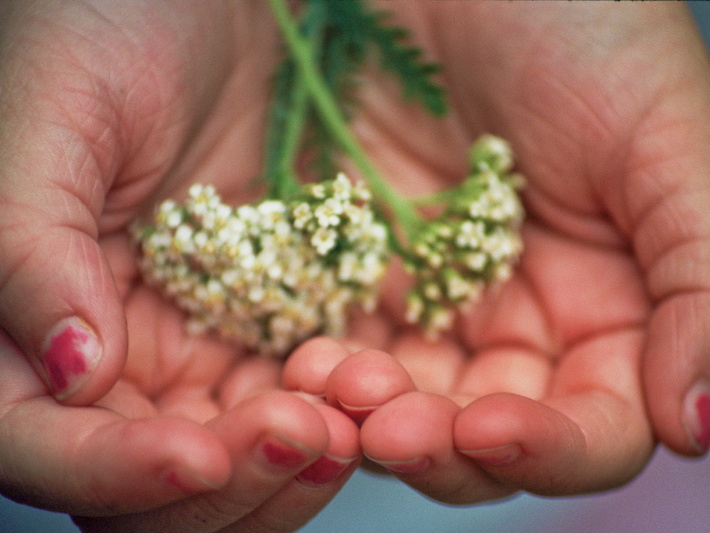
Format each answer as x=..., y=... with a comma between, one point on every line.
x=520, y=441
x=298, y=502
x=516, y=369
x=91, y=460
x=58, y=299
x=250, y=377
x=591, y=433
x=343, y=448
x=671, y=236
x=364, y=381
x=676, y=258
x=162, y=352
x=270, y=438
x=309, y=366
x=412, y=436
x=677, y=373
x=434, y=366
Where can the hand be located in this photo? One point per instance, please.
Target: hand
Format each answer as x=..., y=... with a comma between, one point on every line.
x=549, y=384
x=107, y=108
x=187, y=458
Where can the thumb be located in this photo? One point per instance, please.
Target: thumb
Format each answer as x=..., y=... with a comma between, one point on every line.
x=58, y=299
x=674, y=240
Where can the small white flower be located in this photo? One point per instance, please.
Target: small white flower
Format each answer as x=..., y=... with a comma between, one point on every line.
x=328, y=213
x=415, y=308
x=183, y=239
x=302, y=215
x=248, y=215
x=439, y=319
x=470, y=234
x=324, y=240
x=173, y=218
x=318, y=191
x=476, y=261
x=342, y=188
x=457, y=288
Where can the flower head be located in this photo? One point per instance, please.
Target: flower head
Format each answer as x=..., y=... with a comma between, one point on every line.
x=472, y=243
x=268, y=275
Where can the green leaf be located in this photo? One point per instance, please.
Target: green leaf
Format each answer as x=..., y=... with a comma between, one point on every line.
x=342, y=35
x=416, y=75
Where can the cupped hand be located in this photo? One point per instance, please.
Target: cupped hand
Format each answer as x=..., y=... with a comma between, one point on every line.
x=186, y=456
x=106, y=108
x=560, y=380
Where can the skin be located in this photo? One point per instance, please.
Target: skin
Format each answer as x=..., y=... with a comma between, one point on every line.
x=107, y=106
x=578, y=362
x=557, y=381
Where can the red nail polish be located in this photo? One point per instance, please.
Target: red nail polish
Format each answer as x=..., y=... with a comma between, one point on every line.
x=71, y=352
x=324, y=470
x=697, y=415
x=280, y=453
x=496, y=456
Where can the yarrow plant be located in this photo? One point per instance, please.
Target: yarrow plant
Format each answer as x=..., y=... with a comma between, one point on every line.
x=474, y=242
x=268, y=275
x=272, y=274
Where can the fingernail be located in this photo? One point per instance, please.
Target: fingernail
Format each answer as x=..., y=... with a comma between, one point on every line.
x=356, y=414
x=282, y=453
x=189, y=482
x=70, y=353
x=696, y=415
x=325, y=470
x=413, y=466
x=496, y=456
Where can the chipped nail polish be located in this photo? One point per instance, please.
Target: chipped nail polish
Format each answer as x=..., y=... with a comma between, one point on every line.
x=697, y=415
x=280, y=453
x=70, y=354
x=325, y=470
x=496, y=456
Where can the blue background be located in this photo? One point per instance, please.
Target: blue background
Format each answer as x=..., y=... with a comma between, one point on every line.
x=672, y=495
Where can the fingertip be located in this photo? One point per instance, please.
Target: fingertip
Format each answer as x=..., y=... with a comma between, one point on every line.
x=366, y=380
x=696, y=416
x=251, y=376
x=307, y=369
x=283, y=414
x=410, y=432
x=79, y=365
x=62, y=308
x=676, y=374
x=344, y=434
x=530, y=445
x=194, y=460
x=501, y=419
x=139, y=464
x=343, y=450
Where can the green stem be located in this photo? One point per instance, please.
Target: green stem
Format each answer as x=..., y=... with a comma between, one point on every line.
x=282, y=123
x=333, y=119
x=437, y=198
x=293, y=134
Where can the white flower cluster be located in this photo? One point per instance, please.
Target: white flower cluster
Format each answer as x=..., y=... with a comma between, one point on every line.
x=269, y=275
x=472, y=244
